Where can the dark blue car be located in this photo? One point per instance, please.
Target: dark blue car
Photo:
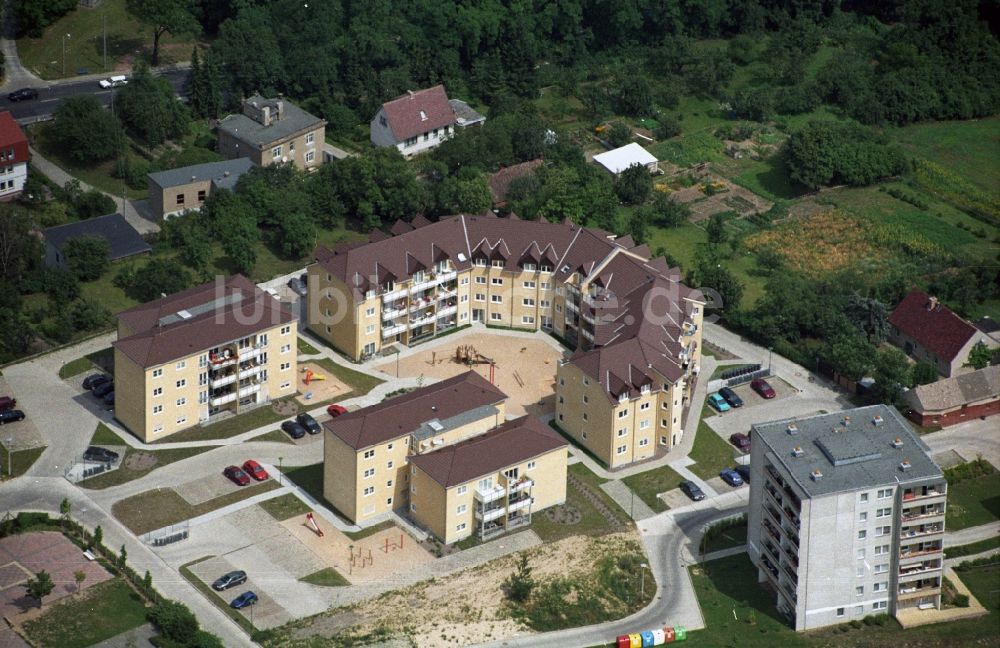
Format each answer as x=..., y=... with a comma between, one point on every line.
x=243, y=600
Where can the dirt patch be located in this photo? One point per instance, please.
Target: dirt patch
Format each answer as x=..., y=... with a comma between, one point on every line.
x=714, y=194
x=140, y=461
x=322, y=385
x=564, y=514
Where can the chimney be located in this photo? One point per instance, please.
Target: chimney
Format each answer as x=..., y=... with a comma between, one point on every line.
x=816, y=475
x=225, y=174
x=932, y=304
x=280, y=107
x=877, y=420
x=410, y=92
x=266, y=115
x=905, y=465
x=792, y=428
x=797, y=451
x=897, y=442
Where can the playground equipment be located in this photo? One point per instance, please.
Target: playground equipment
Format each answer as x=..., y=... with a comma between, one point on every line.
x=311, y=376
x=311, y=523
x=467, y=354
x=392, y=545
x=359, y=559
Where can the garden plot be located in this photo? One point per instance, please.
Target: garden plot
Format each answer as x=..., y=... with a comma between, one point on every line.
x=714, y=194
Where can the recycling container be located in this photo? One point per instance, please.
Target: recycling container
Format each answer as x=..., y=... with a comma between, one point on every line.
x=658, y=637
x=668, y=635
x=647, y=639
x=624, y=642
x=636, y=639
x=680, y=634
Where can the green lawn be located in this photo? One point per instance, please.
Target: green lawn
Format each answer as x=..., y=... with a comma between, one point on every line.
x=96, y=361
x=647, y=485
x=326, y=577
x=98, y=613
x=161, y=507
x=148, y=460
x=75, y=368
x=18, y=461
x=972, y=502
x=711, y=453
x=592, y=522
x=369, y=531
x=968, y=148
x=85, y=45
x=972, y=548
x=103, y=435
x=285, y=507
x=274, y=436
x=729, y=537
x=229, y=427
x=305, y=348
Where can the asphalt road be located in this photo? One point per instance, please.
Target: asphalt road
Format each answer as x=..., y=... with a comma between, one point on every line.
x=49, y=97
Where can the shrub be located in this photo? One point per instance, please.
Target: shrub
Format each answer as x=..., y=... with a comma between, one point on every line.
x=669, y=127
x=175, y=621
x=969, y=470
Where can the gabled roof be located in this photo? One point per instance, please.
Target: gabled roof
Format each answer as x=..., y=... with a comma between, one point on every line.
x=10, y=131
x=512, y=443
x=223, y=174
x=123, y=239
x=406, y=414
x=198, y=319
x=952, y=393
x=500, y=181
x=417, y=112
x=933, y=325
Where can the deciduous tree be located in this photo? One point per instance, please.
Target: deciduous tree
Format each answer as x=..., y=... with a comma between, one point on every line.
x=39, y=587
x=87, y=257
x=174, y=17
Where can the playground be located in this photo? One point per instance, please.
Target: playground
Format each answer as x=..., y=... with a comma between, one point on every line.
x=374, y=558
x=524, y=368
x=316, y=384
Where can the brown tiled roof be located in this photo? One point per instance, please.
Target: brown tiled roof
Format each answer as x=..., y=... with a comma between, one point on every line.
x=933, y=325
x=512, y=443
x=952, y=393
x=500, y=181
x=417, y=112
x=197, y=320
x=402, y=415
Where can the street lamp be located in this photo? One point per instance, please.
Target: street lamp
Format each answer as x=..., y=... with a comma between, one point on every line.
x=279, y=469
x=642, y=585
x=64, y=53
x=10, y=456
x=769, y=359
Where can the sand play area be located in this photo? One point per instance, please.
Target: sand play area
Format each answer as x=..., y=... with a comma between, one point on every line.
x=525, y=369
x=375, y=558
x=324, y=385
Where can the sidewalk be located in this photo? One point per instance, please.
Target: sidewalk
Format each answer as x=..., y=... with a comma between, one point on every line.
x=971, y=534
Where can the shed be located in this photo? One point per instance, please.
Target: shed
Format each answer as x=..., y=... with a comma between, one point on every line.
x=617, y=160
x=123, y=239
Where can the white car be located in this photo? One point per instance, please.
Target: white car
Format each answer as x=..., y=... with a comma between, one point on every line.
x=114, y=82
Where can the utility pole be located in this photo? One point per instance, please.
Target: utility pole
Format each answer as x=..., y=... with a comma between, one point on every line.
x=64, y=53
x=104, y=32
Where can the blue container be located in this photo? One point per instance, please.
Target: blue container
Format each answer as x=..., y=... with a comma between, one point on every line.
x=647, y=639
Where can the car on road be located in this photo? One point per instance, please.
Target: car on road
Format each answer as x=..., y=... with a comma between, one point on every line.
x=741, y=441
x=93, y=380
x=232, y=579
x=718, y=402
x=254, y=469
x=243, y=600
x=293, y=429
x=762, y=387
x=692, y=490
x=11, y=416
x=24, y=94
x=336, y=410
x=109, y=398
x=309, y=423
x=298, y=286
x=731, y=397
x=99, y=454
x=744, y=472
x=114, y=82
x=731, y=477
x=7, y=402
x=236, y=474
x=102, y=390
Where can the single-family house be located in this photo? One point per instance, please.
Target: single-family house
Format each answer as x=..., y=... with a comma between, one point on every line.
x=957, y=399
x=14, y=156
x=420, y=120
x=123, y=239
x=272, y=131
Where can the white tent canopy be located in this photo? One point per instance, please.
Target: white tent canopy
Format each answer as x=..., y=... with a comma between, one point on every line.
x=619, y=159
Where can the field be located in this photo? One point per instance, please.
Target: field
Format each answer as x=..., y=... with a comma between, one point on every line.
x=99, y=613
x=968, y=148
x=162, y=507
x=972, y=502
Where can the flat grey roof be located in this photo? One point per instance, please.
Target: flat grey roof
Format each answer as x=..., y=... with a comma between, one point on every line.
x=465, y=114
x=251, y=132
x=123, y=239
x=214, y=171
x=849, y=449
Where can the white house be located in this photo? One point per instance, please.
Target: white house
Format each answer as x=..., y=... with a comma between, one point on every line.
x=14, y=156
x=419, y=121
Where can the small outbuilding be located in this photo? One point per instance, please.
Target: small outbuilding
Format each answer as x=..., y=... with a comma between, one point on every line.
x=957, y=399
x=123, y=239
x=617, y=160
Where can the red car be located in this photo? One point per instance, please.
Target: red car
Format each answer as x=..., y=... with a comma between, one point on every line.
x=741, y=441
x=760, y=386
x=254, y=469
x=336, y=410
x=237, y=475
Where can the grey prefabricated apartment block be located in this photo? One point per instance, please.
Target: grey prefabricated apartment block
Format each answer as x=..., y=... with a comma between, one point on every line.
x=846, y=516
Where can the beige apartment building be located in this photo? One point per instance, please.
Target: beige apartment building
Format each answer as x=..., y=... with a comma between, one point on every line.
x=273, y=131
x=212, y=351
x=406, y=453
x=634, y=324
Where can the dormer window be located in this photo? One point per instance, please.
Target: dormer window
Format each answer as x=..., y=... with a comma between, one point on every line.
x=479, y=262
x=623, y=397
x=644, y=389
x=529, y=267
x=546, y=268
x=497, y=263
x=423, y=116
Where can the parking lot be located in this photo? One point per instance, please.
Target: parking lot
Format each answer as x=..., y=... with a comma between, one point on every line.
x=20, y=435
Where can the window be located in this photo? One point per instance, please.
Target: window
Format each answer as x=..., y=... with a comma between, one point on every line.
x=860, y=572
x=369, y=472
x=485, y=484
x=496, y=281
x=285, y=348
x=370, y=312
x=157, y=391
x=388, y=483
x=464, y=281
x=622, y=449
x=202, y=397
x=529, y=284
x=545, y=268
x=462, y=508
x=389, y=464
x=880, y=587
x=527, y=301
x=496, y=317
x=462, y=490
x=861, y=554
x=180, y=365
x=643, y=443
x=529, y=267
x=531, y=465
x=643, y=425
x=644, y=407
x=480, y=297
x=369, y=329
x=481, y=280
x=201, y=195
x=388, y=501
x=862, y=534
x=180, y=199
x=276, y=151
x=584, y=415
x=181, y=383
x=413, y=508
x=622, y=432
x=157, y=373
x=586, y=399
x=497, y=263
x=545, y=285
x=545, y=303
x=884, y=493
x=881, y=568
x=880, y=605
x=586, y=381
x=623, y=413
x=840, y=612
x=882, y=550
x=460, y=527
x=481, y=262
x=158, y=429
x=864, y=498
x=863, y=516
x=882, y=531
x=369, y=490
x=464, y=299
x=284, y=385
x=562, y=382
x=859, y=590
x=157, y=409
x=883, y=512
x=496, y=299
x=181, y=402
x=527, y=319
x=182, y=420
x=369, y=453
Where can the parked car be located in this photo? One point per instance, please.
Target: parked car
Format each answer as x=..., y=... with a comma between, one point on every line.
x=692, y=490
x=298, y=286
x=236, y=474
x=109, y=398
x=309, y=423
x=718, y=402
x=761, y=386
x=731, y=477
x=114, y=82
x=102, y=390
x=731, y=397
x=10, y=416
x=7, y=402
x=232, y=579
x=336, y=410
x=741, y=441
x=293, y=429
x=93, y=380
x=24, y=94
x=254, y=469
x=243, y=600
x=744, y=472
x=102, y=455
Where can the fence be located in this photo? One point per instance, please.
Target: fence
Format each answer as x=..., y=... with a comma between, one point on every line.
x=80, y=469
x=738, y=376
x=168, y=535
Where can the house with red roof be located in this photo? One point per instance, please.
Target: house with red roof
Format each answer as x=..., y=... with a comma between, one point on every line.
x=928, y=330
x=419, y=121
x=13, y=157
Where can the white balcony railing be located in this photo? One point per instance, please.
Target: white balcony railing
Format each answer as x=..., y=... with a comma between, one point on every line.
x=520, y=504
x=448, y=310
x=490, y=495
x=393, y=295
x=215, y=383
x=224, y=399
x=250, y=352
x=491, y=514
x=393, y=330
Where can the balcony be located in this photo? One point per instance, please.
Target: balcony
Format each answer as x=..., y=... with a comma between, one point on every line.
x=247, y=353
x=571, y=306
x=393, y=330
x=393, y=295
x=913, y=591
x=393, y=311
x=587, y=334
x=911, y=495
x=518, y=504
x=922, y=512
x=490, y=495
x=222, y=381
x=447, y=310
x=919, y=568
x=688, y=328
x=921, y=531
x=422, y=302
x=444, y=293
x=489, y=513
x=771, y=531
x=909, y=554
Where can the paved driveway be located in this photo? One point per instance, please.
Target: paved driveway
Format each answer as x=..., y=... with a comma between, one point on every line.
x=970, y=440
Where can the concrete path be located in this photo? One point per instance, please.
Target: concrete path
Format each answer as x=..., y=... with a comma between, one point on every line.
x=971, y=534
x=134, y=638
x=723, y=553
x=56, y=174
x=14, y=74
x=625, y=498
x=972, y=439
x=336, y=152
x=681, y=467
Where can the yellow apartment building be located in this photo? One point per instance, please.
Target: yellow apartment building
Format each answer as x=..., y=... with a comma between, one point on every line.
x=489, y=484
x=366, y=453
x=212, y=351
